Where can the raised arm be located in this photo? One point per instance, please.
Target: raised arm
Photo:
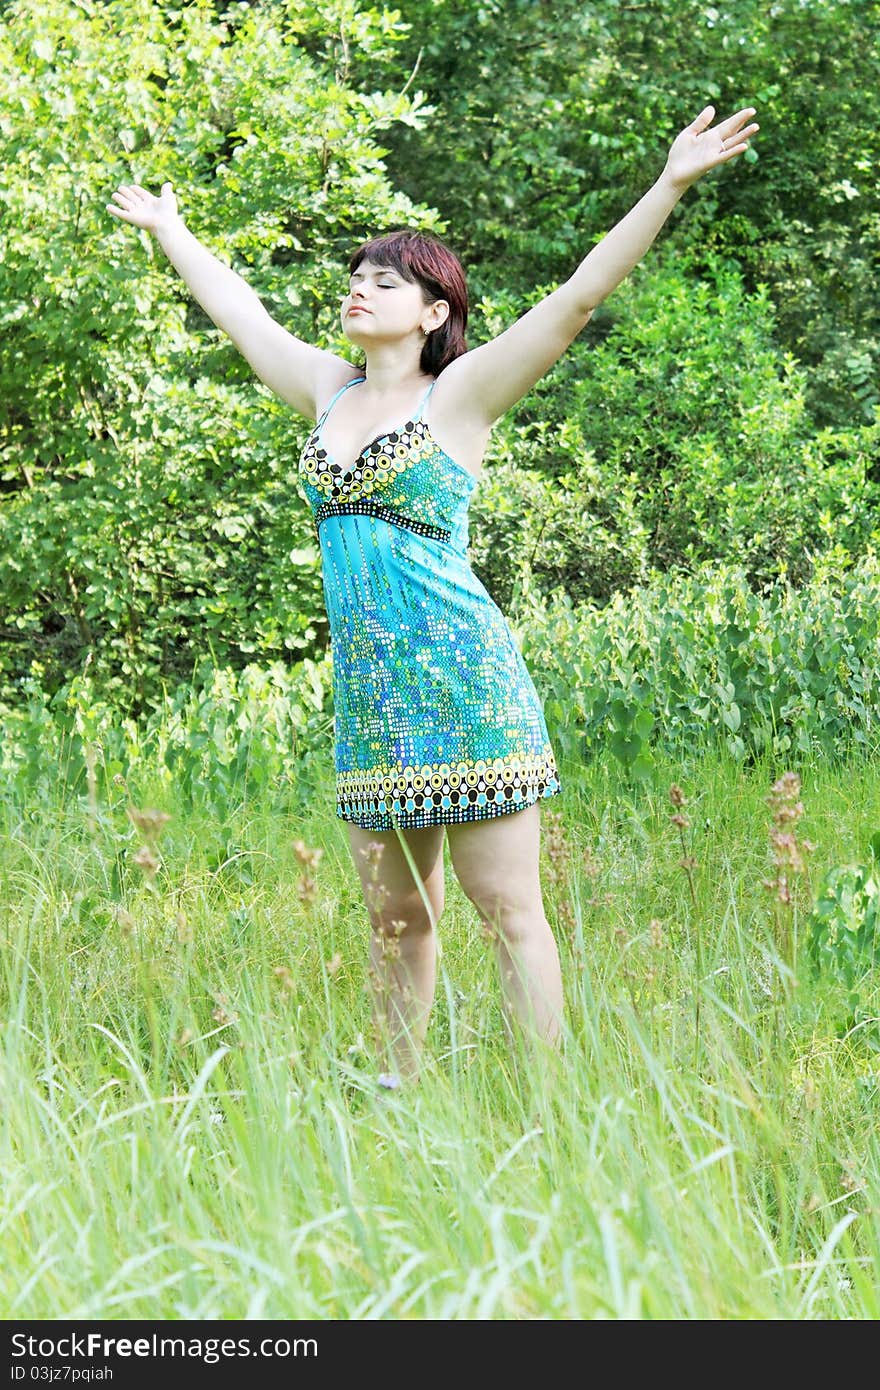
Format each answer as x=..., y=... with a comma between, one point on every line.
x=301, y=374
x=484, y=383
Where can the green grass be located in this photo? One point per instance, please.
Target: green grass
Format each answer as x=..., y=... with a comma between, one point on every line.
x=188, y=1134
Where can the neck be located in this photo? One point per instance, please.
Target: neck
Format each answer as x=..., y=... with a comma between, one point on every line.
x=392, y=368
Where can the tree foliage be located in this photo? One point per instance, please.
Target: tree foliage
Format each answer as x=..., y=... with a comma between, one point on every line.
x=554, y=118
x=721, y=403
x=149, y=510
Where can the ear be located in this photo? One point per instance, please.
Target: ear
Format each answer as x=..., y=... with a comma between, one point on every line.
x=436, y=314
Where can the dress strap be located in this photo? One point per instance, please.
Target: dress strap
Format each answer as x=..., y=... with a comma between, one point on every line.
x=424, y=402
x=335, y=398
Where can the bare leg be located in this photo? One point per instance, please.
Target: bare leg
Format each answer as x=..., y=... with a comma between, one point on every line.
x=402, y=978
x=530, y=974
x=402, y=941
x=496, y=862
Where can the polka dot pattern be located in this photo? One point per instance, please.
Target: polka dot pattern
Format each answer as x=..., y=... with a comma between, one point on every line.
x=437, y=720
x=437, y=793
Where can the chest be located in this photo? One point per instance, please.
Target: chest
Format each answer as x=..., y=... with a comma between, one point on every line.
x=349, y=440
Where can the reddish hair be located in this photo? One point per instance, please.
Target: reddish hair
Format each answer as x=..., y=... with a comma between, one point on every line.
x=423, y=260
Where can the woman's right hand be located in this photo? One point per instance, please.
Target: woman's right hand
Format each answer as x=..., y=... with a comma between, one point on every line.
x=142, y=209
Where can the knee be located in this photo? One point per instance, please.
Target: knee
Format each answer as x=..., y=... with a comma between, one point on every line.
x=405, y=914
x=489, y=898
x=504, y=907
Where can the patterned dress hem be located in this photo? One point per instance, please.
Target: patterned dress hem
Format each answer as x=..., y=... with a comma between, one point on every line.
x=448, y=815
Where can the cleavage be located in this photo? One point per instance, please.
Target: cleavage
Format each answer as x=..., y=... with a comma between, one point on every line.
x=403, y=427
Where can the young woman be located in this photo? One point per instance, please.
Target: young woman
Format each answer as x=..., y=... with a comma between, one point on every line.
x=438, y=728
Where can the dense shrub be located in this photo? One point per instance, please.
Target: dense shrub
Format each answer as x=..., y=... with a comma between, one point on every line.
x=691, y=658
x=673, y=432
x=675, y=664
x=263, y=731
x=148, y=515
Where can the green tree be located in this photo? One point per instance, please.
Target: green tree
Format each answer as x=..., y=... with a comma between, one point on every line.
x=150, y=510
x=721, y=402
x=550, y=120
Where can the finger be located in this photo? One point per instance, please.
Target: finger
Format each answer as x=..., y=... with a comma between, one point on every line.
x=728, y=154
x=123, y=197
x=705, y=117
x=738, y=137
x=731, y=125
x=142, y=191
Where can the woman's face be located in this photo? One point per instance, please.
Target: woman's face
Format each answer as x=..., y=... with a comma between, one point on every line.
x=381, y=306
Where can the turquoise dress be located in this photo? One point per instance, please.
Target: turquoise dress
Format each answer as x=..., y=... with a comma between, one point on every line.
x=437, y=720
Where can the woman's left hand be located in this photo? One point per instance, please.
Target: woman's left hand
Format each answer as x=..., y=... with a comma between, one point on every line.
x=698, y=149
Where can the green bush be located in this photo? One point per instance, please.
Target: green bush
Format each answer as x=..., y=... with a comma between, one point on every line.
x=673, y=432
x=221, y=735
x=149, y=516
x=675, y=664
x=843, y=931
x=688, y=659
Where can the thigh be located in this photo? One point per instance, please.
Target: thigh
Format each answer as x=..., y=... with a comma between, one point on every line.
x=390, y=867
x=496, y=860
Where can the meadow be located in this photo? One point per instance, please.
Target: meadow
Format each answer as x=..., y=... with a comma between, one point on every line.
x=191, y=1126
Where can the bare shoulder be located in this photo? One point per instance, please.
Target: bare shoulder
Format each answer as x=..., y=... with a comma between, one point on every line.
x=458, y=431
x=331, y=374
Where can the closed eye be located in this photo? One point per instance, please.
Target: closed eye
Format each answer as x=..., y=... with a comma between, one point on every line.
x=381, y=284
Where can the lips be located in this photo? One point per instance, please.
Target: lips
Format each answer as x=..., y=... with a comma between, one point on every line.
x=358, y=310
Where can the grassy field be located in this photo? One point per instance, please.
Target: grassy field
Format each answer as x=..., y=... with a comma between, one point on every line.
x=190, y=1122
